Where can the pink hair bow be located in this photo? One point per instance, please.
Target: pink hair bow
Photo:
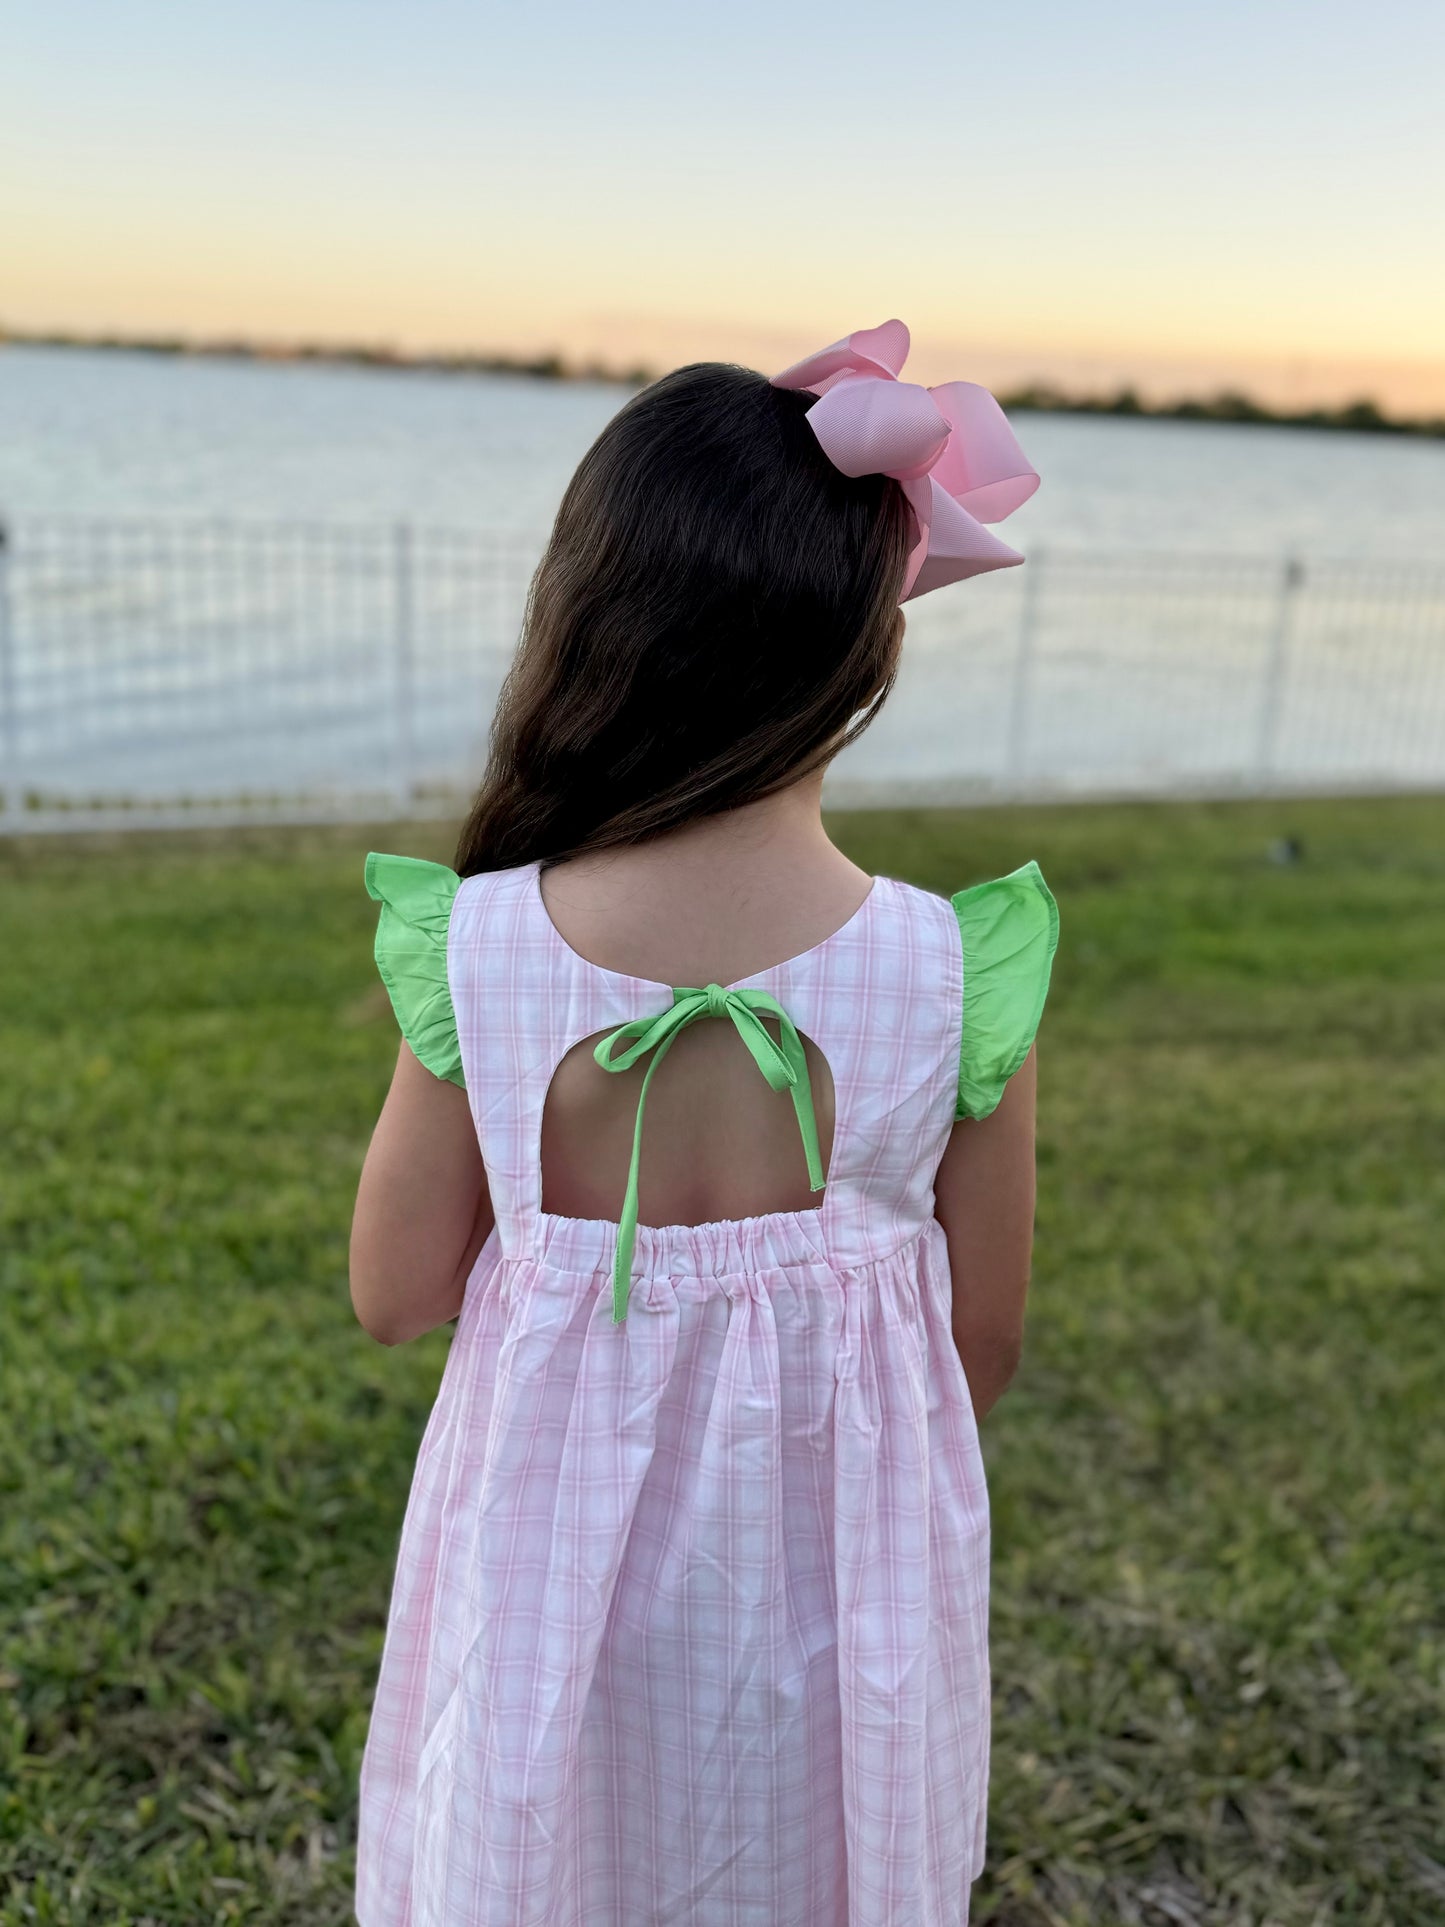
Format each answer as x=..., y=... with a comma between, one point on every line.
x=950, y=447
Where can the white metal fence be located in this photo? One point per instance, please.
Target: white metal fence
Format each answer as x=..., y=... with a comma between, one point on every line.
x=187, y=672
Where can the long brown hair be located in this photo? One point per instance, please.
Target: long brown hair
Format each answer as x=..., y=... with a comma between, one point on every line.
x=715, y=615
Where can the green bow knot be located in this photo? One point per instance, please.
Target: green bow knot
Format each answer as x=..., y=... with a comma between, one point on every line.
x=781, y=1061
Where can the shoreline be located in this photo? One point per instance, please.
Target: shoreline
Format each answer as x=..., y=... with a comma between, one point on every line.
x=1361, y=417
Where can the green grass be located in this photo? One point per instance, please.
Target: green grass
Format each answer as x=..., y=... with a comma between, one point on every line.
x=1219, y=1562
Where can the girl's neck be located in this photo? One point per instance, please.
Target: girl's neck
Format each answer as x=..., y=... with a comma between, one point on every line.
x=718, y=899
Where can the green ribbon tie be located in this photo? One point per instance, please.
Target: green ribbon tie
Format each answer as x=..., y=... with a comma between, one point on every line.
x=782, y=1063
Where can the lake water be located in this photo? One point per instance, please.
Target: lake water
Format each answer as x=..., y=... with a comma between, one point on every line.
x=1153, y=640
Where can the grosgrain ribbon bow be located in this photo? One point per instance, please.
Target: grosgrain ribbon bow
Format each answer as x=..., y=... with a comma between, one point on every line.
x=950, y=447
x=783, y=1063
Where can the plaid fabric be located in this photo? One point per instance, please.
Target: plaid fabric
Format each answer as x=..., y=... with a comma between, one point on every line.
x=689, y=1623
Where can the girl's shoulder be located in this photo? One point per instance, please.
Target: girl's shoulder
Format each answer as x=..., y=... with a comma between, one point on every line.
x=1008, y=932
x=416, y=899
x=990, y=919
x=996, y=939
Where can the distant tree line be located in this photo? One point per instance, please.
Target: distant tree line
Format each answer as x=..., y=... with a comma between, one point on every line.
x=1363, y=416
x=548, y=367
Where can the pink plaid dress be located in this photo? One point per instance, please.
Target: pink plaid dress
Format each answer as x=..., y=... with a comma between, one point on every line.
x=689, y=1623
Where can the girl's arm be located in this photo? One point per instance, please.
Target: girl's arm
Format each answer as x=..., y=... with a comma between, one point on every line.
x=984, y=1199
x=423, y=1211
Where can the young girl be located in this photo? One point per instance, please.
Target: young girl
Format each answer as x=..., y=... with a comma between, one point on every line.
x=689, y=1623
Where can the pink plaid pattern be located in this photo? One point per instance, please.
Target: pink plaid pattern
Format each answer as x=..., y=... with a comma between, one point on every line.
x=689, y=1623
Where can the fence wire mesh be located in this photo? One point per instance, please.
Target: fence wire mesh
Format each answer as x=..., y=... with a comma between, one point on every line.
x=187, y=671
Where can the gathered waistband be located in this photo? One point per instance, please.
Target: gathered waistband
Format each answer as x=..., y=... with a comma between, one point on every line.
x=714, y=1250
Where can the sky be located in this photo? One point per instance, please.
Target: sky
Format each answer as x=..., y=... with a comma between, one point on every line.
x=1182, y=195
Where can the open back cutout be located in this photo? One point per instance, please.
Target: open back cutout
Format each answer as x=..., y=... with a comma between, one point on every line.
x=717, y=1141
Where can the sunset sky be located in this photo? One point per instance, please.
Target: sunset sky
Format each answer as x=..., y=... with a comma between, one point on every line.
x=1182, y=195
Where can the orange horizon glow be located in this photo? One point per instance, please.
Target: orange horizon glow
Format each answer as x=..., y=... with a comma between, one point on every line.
x=617, y=344
x=60, y=275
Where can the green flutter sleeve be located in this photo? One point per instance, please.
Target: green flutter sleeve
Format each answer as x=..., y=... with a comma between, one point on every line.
x=1009, y=928
x=411, y=955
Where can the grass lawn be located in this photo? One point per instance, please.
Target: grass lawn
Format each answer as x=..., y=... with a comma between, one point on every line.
x=1219, y=1562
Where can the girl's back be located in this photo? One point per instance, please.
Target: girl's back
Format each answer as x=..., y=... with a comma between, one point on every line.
x=714, y=903
x=690, y=1615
